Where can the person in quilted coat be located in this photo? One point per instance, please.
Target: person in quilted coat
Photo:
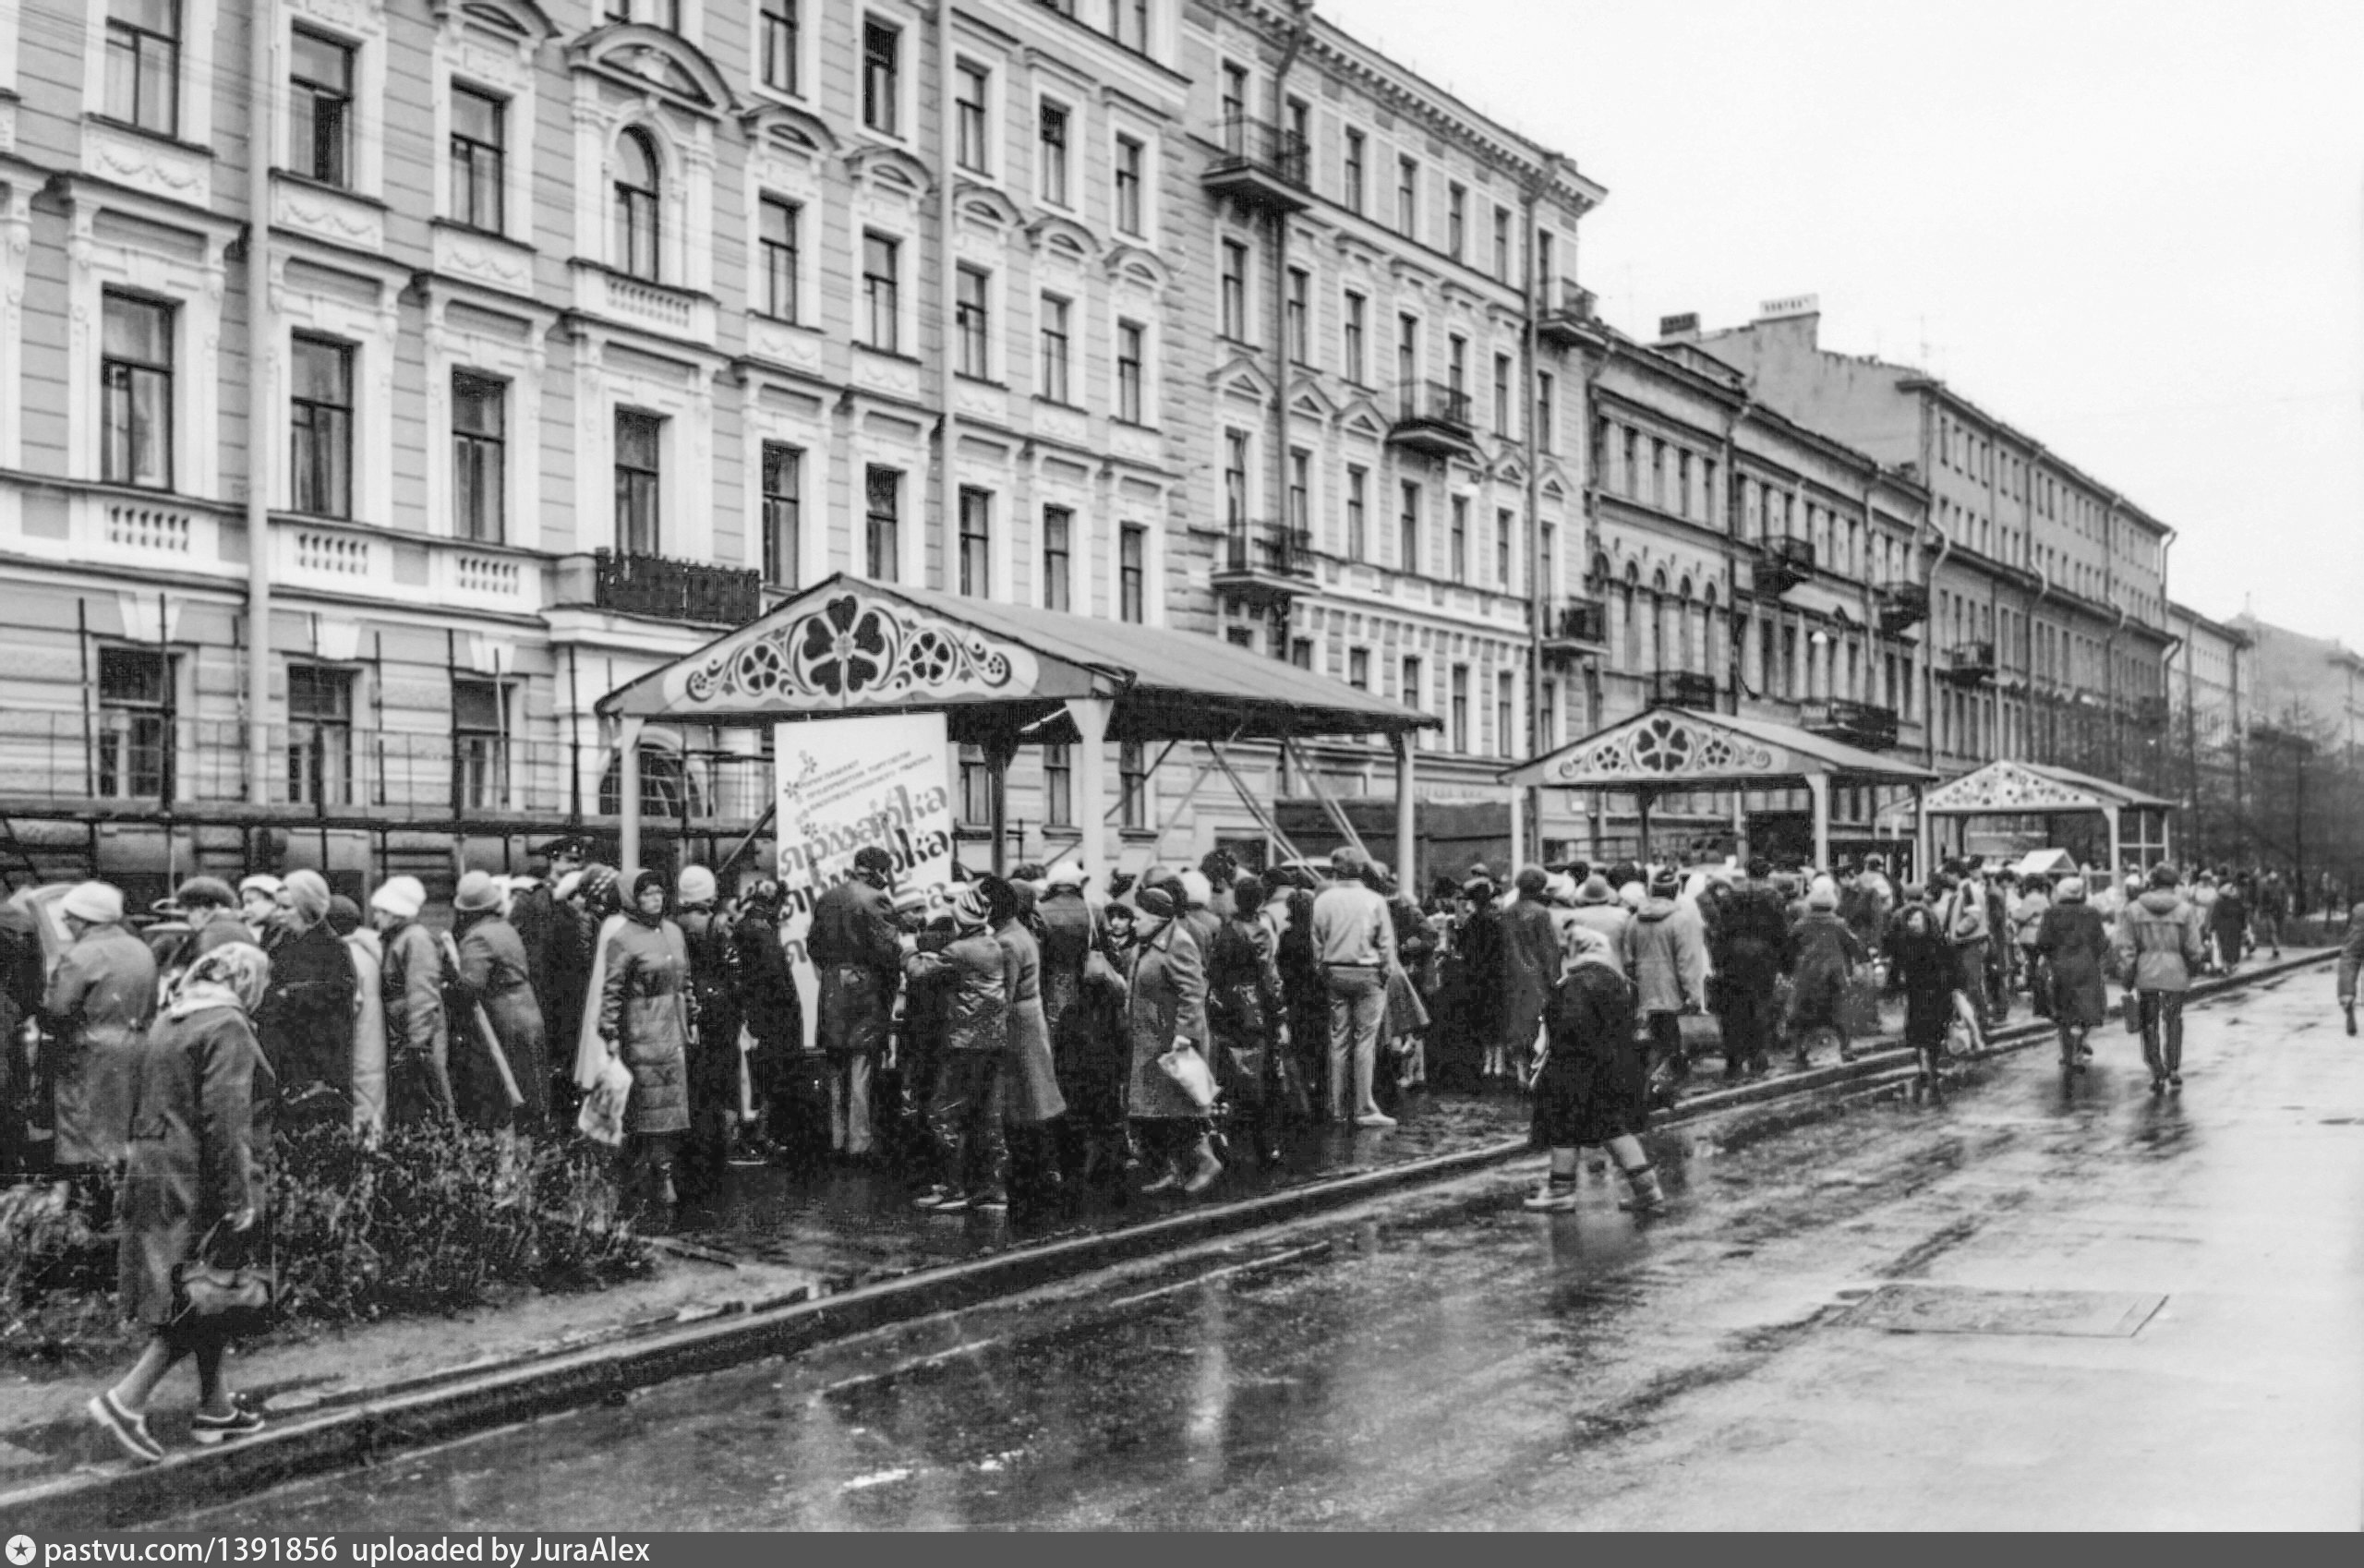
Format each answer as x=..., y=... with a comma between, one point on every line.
x=645, y=1019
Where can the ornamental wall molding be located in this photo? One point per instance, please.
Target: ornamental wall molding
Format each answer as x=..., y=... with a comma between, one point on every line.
x=857, y=649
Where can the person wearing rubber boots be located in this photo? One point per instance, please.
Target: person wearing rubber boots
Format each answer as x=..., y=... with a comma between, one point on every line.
x=2159, y=949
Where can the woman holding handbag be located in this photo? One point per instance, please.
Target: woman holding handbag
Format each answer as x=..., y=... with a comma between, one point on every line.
x=193, y=1192
x=1167, y=1011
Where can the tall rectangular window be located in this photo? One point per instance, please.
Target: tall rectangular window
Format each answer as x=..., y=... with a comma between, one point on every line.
x=1407, y=198
x=1354, y=171
x=479, y=159
x=1459, y=711
x=1234, y=100
x=1502, y=396
x=1503, y=244
x=1503, y=529
x=881, y=523
x=135, y=727
x=882, y=77
x=1410, y=689
x=1358, y=669
x=971, y=323
x=1408, y=351
x=1055, y=349
x=321, y=427
x=968, y=116
x=1058, y=787
x=1058, y=531
x=1544, y=425
x=320, y=106
x=1054, y=154
x=479, y=457
x=320, y=735
x=1301, y=491
x=1133, y=158
x=1235, y=480
x=480, y=744
x=881, y=291
x=1543, y=261
x=1300, y=313
x=778, y=255
x=1129, y=349
x=1357, y=522
x=135, y=392
x=782, y=46
x=783, y=478
x=1505, y=709
x=1657, y=474
x=144, y=64
x=640, y=445
x=1408, y=529
x=976, y=544
x=1132, y=784
x=1457, y=365
x=1456, y=219
x=1460, y=539
x=1132, y=573
x=1234, y=296
x=1353, y=368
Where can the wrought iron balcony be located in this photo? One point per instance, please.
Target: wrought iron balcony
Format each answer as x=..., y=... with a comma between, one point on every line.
x=1902, y=605
x=1783, y=564
x=667, y=590
x=1261, y=165
x=1264, y=564
x=1572, y=627
x=1432, y=419
x=1567, y=313
x=1969, y=664
x=1863, y=725
x=1682, y=688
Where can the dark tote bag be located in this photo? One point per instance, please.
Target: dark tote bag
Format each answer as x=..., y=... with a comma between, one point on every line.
x=226, y=1302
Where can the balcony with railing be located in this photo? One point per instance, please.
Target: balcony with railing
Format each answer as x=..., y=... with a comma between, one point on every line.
x=1968, y=664
x=1433, y=418
x=1902, y=605
x=1866, y=726
x=1259, y=164
x=1682, y=688
x=1567, y=315
x=1574, y=627
x=1264, y=562
x=1781, y=565
x=661, y=588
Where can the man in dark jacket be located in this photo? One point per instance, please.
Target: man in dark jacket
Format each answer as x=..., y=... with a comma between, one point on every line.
x=790, y=1087
x=964, y=1112
x=558, y=959
x=490, y=977
x=857, y=954
x=714, y=1046
x=304, y=1024
x=1751, y=937
x=1530, y=968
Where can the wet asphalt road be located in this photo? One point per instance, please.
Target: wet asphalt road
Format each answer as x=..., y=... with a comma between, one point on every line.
x=2191, y=1360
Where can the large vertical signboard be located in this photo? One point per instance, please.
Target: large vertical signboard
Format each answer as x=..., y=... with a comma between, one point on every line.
x=845, y=784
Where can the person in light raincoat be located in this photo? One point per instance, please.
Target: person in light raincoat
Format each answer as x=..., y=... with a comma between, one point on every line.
x=363, y=947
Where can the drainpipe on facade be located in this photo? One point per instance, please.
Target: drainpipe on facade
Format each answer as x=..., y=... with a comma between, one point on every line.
x=1929, y=665
x=1730, y=509
x=1300, y=21
x=262, y=31
x=947, y=516
x=1537, y=590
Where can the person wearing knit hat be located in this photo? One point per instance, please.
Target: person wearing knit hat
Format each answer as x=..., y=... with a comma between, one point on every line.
x=2160, y=947
x=98, y=1004
x=1067, y=873
x=1195, y=896
x=304, y=1024
x=715, y=1017
x=1530, y=968
x=1825, y=955
x=1750, y=942
x=1593, y=1088
x=910, y=907
x=418, y=1061
x=1166, y=1010
x=2073, y=944
x=1632, y=895
x=344, y=915
x=1598, y=911
x=1666, y=952
x=857, y=955
x=644, y=1021
x=399, y=898
x=696, y=887
x=963, y=984
x=259, y=906
x=367, y=1072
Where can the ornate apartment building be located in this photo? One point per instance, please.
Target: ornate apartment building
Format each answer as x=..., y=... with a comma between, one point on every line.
x=2048, y=624
x=547, y=340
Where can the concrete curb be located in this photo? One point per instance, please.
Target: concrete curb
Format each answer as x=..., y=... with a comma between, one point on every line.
x=369, y=1430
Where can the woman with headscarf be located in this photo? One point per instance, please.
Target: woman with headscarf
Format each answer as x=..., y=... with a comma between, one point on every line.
x=306, y=1019
x=410, y=976
x=194, y=1187
x=492, y=987
x=1167, y=1008
x=1921, y=965
x=2073, y=942
x=368, y=1026
x=644, y=1020
x=1823, y=954
x=1592, y=1089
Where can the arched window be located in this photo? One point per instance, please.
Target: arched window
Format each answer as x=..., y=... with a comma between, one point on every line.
x=637, y=205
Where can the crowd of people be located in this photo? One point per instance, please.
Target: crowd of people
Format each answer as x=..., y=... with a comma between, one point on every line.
x=1004, y=1039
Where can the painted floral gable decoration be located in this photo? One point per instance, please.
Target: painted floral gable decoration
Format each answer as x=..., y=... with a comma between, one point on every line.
x=856, y=649
x=1665, y=746
x=2007, y=788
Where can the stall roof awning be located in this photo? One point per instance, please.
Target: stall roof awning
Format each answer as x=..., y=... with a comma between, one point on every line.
x=2031, y=788
x=1669, y=748
x=848, y=646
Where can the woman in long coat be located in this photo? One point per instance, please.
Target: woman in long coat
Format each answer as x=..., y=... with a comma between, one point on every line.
x=1167, y=1004
x=195, y=1181
x=1824, y=954
x=306, y=1019
x=1031, y=1099
x=645, y=1019
x=99, y=1004
x=491, y=975
x=369, y=1014
x=1592, y=1089
x=1247, y=1018
x=1920, y=964
x=2073, y=941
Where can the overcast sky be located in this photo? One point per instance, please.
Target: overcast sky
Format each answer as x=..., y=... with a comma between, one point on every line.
x=2134, y=230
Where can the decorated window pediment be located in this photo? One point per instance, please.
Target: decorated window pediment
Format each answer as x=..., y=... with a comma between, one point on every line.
x=1361, y=417
x=1307, y=397
x=1241, y=377
x=1129, y=264
x=651, y=58
x=986, y=205
x=520, y=21
x=790, y=129
x=888, y=170
x=1063, y=238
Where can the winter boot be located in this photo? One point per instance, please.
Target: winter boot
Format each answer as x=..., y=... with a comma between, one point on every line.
x=1203, y=1173
x=1647, y=1196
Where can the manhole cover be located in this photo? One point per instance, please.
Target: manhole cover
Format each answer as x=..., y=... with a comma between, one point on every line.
x=1927, y=1309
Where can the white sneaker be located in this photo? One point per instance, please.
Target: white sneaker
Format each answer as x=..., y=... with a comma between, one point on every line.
x=1377, y=1118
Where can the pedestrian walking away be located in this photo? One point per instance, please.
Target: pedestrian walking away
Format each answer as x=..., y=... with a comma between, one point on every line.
x=2073, y=942
x=2159, y=948
x=1592, y=1088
